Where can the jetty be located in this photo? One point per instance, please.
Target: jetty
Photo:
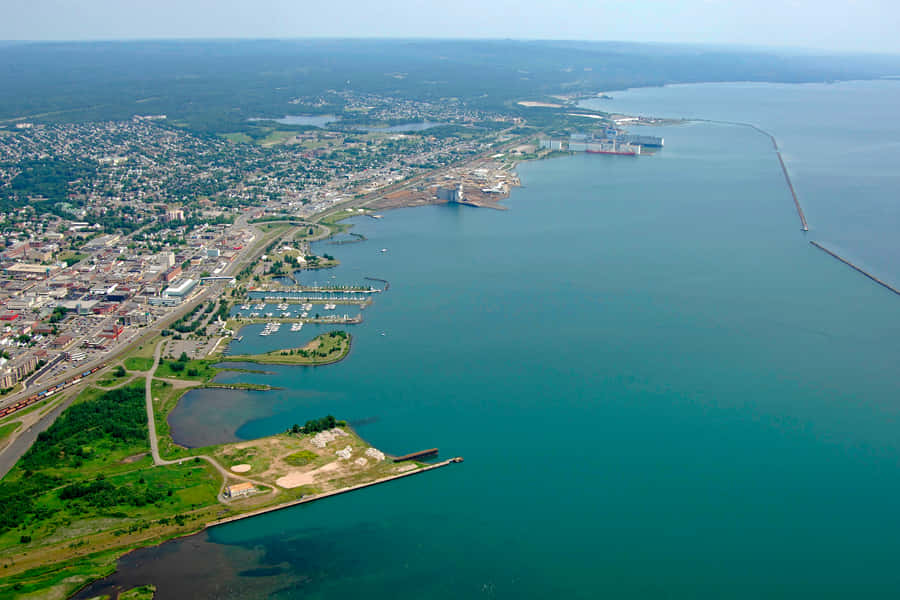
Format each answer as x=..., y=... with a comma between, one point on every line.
x=387, y=284
x=321, y=289
x=431, y=452
x=787, y=176
x=855, y=267
x=315, y=497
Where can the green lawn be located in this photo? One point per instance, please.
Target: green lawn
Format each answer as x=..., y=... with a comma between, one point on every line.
x=138, y=363
x=238, y=138
x=193, y=370
x=323, y=349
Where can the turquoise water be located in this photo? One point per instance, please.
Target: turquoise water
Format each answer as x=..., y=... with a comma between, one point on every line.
x=841, y=143
x=659, y=387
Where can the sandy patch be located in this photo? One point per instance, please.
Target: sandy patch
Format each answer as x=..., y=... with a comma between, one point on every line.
x=241, y=468
x=405, y=468
x=298, y=478
x=531, y=104
x=133, y=458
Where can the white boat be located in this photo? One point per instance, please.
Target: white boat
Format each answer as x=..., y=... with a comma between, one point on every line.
x=296, y=326
x=304, y=314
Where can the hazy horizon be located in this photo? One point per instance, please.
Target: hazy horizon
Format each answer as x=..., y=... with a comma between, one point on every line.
x=864, y=26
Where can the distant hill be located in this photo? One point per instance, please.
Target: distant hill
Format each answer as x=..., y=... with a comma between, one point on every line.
x=215, y=86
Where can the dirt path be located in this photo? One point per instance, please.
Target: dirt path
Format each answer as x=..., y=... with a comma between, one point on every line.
x=154, y=442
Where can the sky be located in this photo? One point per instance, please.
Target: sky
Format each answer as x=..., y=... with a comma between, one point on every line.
x=836, y=25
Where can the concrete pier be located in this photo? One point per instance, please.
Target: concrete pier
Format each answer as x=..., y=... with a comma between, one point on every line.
x=787, y=177
x=315, y=497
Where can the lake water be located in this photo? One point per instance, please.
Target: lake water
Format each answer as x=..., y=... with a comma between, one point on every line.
x=659, y=387
x=314, y=120
x=421, y=126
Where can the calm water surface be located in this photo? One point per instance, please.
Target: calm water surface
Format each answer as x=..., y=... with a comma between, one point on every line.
x=660, y=388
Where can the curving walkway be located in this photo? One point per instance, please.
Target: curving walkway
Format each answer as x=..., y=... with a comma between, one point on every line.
x=154, y=441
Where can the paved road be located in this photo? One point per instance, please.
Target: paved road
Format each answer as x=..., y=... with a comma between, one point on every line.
x=154, y=442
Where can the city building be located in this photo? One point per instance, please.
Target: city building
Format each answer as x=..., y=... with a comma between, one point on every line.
x=181, y=289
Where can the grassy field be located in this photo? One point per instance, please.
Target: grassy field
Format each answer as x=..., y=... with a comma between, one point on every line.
x=88, y=485
x=7, y=430
x=323, y=349
x=277, y=137
x=192, y=370
x=238, y=138
x=87, y=491
x=165, y=399
x=145, y=592
x=138, y=363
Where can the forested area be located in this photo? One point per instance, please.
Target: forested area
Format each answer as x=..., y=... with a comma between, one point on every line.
x=195, y=82
x=49, y=472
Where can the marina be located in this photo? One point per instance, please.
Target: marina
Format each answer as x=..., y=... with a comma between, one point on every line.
x=270, y=328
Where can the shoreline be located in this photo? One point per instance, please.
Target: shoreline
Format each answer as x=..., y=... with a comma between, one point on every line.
x=322, y=496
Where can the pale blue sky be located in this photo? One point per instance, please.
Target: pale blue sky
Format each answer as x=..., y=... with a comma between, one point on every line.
x=855, y=25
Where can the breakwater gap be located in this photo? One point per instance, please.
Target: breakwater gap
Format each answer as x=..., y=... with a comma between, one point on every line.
x=803, y=223
x=787, y=176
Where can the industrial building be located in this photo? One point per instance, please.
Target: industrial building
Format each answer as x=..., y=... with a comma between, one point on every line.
x=181, y=289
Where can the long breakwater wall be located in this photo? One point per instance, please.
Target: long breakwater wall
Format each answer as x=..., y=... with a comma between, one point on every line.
x=855, y=267
x=787, y=176
x=346, y=490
